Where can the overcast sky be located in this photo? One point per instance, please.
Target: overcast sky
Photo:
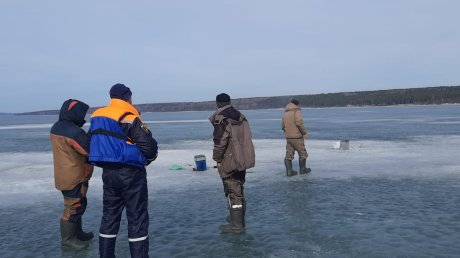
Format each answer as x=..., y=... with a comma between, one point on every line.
x=191, y=50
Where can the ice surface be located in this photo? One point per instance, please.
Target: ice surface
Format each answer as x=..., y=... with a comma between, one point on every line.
x=378, y=199
x=30, y=126
x=421, y=157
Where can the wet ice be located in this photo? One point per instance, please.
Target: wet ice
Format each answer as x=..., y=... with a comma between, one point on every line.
x=395, y=192
x=380, y=198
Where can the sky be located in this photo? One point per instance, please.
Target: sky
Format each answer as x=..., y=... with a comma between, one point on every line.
x=192, y=50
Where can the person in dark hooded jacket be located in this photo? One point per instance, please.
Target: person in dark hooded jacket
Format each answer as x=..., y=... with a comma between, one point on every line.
x=234, y=153
x=70, y=146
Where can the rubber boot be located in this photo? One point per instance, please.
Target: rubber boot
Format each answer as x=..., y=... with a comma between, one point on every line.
x=303, y=166
x=69, y=240
x=139, y=249
x=237, y=222
x=228, y=219
x=107, y=247
x=83, y=236
x=289, y=171
x=244, y=213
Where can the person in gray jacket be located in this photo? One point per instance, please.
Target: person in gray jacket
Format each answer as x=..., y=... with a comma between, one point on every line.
x=296, y=134
x=234, y=153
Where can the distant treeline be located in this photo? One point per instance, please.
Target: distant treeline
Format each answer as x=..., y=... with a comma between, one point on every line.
x=414, y=96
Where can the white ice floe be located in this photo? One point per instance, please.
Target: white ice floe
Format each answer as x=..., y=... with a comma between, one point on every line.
x=23, y=174
x=26, y=126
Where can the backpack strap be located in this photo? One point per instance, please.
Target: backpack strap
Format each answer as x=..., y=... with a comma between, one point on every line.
x=109, y=133
x=124, y=115
x=113, y=134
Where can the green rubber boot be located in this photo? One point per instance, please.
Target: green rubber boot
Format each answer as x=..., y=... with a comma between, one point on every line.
x=236, y=224
x=69, y=240
x=82, y=235
x=228, y=218
x=303, y=167
x=289, y=171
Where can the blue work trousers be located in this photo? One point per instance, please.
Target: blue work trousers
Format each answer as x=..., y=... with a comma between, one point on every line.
x=125, y=187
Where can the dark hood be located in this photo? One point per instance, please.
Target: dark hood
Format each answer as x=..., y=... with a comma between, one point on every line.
x=75, y=111
x=229, y=113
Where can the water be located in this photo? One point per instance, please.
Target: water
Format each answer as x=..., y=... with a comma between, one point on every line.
x=395, y=193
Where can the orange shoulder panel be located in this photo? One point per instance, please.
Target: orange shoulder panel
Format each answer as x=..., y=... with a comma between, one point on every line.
x=116, y=109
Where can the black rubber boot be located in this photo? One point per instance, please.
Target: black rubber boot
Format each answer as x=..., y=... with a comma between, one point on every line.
x=228, y=219
x=69, y=240
x=83, y=236
x=289, y=171
x=303, y=166
x=139, y=248
x=236, y=224
x=107, y=247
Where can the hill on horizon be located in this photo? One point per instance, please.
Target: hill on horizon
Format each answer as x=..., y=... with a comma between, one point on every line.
x=410, y=96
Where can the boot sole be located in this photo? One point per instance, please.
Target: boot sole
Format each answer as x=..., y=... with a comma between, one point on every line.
x=232, y=231
x=84, y=239
x=69, y=248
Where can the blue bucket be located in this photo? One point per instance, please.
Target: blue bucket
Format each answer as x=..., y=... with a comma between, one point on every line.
x=200, y=161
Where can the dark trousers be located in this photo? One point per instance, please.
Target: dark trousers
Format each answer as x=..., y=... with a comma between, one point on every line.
x=124, y=187
x=234, y=189
x=75, y=203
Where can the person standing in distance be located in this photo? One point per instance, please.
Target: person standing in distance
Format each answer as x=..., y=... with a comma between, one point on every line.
x=122, y=145
x=234, y=153
x=296, y=134
x=71, y=171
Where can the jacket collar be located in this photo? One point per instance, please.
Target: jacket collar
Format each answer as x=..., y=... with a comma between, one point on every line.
x=217, y=118
x=223, y=108
x=291, y=107
x=121, y=104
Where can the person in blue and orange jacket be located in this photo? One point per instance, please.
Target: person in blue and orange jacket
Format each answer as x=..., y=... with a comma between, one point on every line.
x=71, y=171
x=122, y=145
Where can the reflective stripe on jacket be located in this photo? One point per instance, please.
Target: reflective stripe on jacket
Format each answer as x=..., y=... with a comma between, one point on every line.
x=109, y=143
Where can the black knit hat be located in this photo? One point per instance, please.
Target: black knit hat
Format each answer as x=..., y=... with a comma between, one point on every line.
x=120, y=91
x=223, y=97
x=295, y=101
x=222, y=100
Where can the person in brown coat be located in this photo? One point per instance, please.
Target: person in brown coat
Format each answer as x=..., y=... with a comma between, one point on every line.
x=70, y=146
x=234, y=153
x=296, y=134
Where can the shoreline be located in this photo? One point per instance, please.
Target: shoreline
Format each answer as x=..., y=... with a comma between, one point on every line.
x=441, y=95
x=56, y=112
